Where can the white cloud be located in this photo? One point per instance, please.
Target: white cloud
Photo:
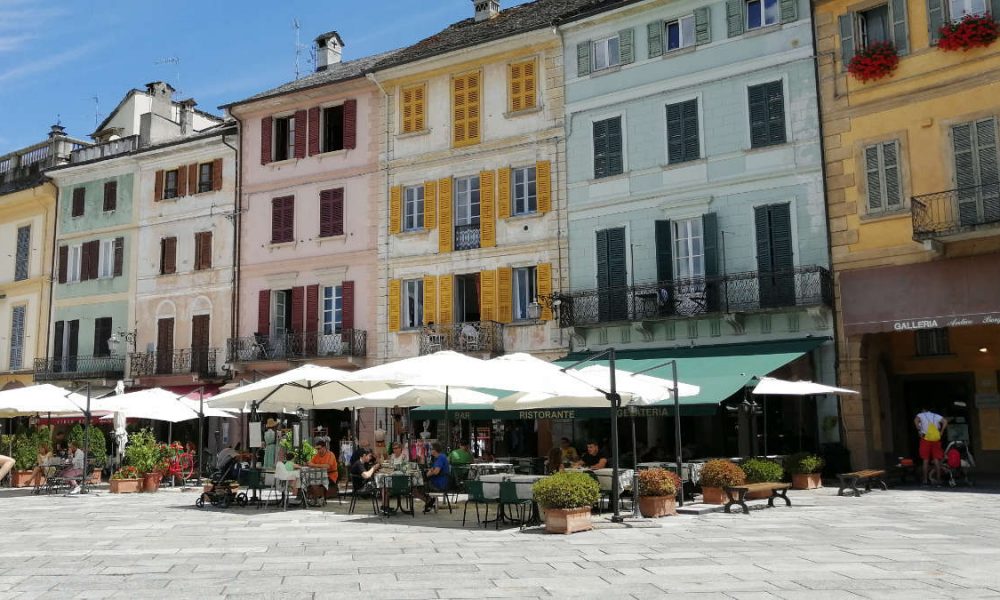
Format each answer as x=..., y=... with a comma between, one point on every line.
x=48, y=63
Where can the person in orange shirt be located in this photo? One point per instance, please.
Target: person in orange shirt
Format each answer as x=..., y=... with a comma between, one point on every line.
x=325, y=458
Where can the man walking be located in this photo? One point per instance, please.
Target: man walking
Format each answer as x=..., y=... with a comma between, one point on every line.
x=930, y=426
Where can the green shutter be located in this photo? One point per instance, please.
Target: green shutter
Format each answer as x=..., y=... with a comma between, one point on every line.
x=774, y=255
x=614, y=147
x=626, y=46
x=989, y=177
x=890, y=172
x=611, y=275
x=675, y=134
x=847, y=38
x=935, y=19
x=775, y=112
x=664, y=252
x=710, y=241
x=617, y=267
x=583, y=59
x=965, y=173
x=789, y=11
x=654, y=38
x=873, y=178
x=757, y=97
x=602, y=259
x=702, y=25
x=995, y=9
x=734, y=17
x=762, y=225
x=600, y=149
x=692, y=147
x=900, y=31
x=781, y=237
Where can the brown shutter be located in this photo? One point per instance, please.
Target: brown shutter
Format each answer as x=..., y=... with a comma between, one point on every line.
x=350, y=124
x=164, y=346
x=194, y=178
x=312, y=318
x=301, y=131
x=63, y=263
x=216, y=174
x=85, y=262
x=158, y=187
x=110, y=196
x=326, y=213
x=266, y=130
x=182, y=181
x=313, y=130
x=95, y=258
x=338, y=211
x=283, y=219
x=298, y=302
x=119, y=256
x=347, y=297
x=203, y=250
x=79, y=201
x=168, y=260
x=264, y=312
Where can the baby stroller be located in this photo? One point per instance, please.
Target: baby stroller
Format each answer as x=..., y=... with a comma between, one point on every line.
x=223, y=488
x=958, y=464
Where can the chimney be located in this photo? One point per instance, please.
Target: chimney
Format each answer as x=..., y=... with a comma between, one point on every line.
x=329, y=50
x=57, y=131
x=187, y=116
x=486, y=9
x=162, y=96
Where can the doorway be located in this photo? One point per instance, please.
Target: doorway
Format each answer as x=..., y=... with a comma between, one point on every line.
x=467, y=298
x=950, y=395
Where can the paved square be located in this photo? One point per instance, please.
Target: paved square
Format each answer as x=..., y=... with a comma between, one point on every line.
x=910, y=544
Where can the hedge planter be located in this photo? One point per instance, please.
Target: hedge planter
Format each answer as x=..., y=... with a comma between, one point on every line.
x=568, y=520
x=126, y=486
x=21, y=478
x=712, y=495
x=657, y=506
x=151, y=482
x=806, y=481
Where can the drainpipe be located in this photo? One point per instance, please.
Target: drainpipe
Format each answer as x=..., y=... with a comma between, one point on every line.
x=559, y=211
x=237, y=215
x=385, y=300
x=54, y=273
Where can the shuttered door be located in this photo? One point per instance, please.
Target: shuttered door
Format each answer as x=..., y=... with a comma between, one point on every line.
x=394, y=305
x=488, y=295
x=200, y=334
x=57, y=346
x=505, y=295
x=164, y=346
x=976, y=173
x=298, y=309
x=264, y=313
x=350, y=124
x=713, y=289
x=73, y=345
x=445, y=299
x=347, y=305
x=487, y=216
x=665, y=266
x=774, y=255
x=612, y=303
x=543, y=287
x=430, y=299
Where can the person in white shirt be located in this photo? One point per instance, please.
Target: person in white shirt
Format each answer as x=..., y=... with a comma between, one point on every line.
x=930, y=440
x=77, y=468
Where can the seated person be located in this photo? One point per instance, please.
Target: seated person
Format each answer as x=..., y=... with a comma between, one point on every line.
x=568, y=451
x=293, y=469
x=554, y=464
x=327, y=459
x=398, y=459
x=461, y=455
x=594, y=457
x=76, y=470
x=44, y=460
x=437, y=477
x=363, y=469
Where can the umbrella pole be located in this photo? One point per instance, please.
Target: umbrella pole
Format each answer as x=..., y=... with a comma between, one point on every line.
x=86, y=444
x=635, y=469
x=677, y=433
x=201, y=431
x=447, y=423
x=615, y=403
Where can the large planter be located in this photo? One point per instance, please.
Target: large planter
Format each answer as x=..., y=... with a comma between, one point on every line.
x=568, y=520
x=713, y=495
x=151, y=482
x=657, y=506
x=125, y=486
x=806, y=481
x=21, y=478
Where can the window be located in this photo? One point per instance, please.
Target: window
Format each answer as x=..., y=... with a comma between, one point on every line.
x=761, y=13
x=75, y=263
x=874, y=26
x=205, y=177
x=689, y=249
x=465, y=109
x=933, y=342
x=958, y=9
x=110, y=196
x=606, y=53
x=680, y=33
x=106, y=260
x=284, y=138
x=608, y=148
x=102, y=333
x=168, y=255
x=523, y=86
x=413, y=108
x=413, y=211
x=466, y=212
x=170, y=184
x=331, y=212
x=17, y=315
x=767, y=114
x=333, y=309
x=524, y=292
x=882, y=177
x=202, y=250
x=413, y=303
x=79, y=201
x=525, y=195
x=333, y=128
x=282, y=219
x=683, y=142
x=23, y=253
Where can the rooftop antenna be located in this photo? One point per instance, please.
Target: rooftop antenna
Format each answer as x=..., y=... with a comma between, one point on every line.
x=298, y=46
x=172, y=60
x=97, y=111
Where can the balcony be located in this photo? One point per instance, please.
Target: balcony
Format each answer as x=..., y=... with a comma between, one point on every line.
x=79, y=367
x=292, y=346
x=105, y=150
x=198, y=361
x=727, y=294
x=473, y=337
x=962, y=213
x=467, y=237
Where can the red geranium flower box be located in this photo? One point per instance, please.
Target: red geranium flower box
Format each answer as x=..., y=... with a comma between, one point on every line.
x=874, y=62
x=973, y=31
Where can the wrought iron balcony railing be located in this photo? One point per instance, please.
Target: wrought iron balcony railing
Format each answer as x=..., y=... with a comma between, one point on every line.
x=200, y=361
x=956, y=211
x=477, y=337
x=349, y=342
x=733, y=293
x=80, y=367
x=466, y=237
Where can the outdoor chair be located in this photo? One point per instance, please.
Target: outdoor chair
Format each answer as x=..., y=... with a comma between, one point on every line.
x=281, y=490
x=470, y=338
x=365, y=492
x=474, y=489
x=401, y=489
x=508, y=498
x=445, y=494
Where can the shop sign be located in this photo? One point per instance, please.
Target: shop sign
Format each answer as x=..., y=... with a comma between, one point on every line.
x=911, y=325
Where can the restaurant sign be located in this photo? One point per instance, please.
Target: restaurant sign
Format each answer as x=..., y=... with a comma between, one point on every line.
x=964, y=321
x=561, y=413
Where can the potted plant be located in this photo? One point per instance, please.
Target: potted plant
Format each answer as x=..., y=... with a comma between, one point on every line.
x=145, y=455
x=874, y=62
x=805, y=469
x=25, y=460
x=567, y=498
x=126, y=480
x=973, y=31
x=657, y=488
x=717, y=474
x=761, y=470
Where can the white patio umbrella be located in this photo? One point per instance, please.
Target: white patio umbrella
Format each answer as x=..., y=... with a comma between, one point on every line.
x=44, y=398
x=304, y=387
x=780, y=387
x=409, y=397
x=158, y=404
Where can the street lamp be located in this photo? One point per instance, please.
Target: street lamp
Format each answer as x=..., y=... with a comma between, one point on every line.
x=116, y=339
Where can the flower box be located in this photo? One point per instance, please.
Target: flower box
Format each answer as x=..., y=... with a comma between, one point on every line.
x=712, y=495
x=21, y=478
x=657, y=506
x=806, y=481
x=973, y=31
x=568, y=520
x=874, y=62
x=151, y=482
x=95, y=477
x=125, y=486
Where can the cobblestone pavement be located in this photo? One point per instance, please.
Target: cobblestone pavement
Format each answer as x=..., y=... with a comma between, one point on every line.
x=910, y=544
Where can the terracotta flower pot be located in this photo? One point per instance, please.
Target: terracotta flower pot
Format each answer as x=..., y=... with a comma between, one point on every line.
x=657, y=506
x=806, y=481
x=712, y=495
x=151, y=482
x=95, y=477
x=567, y=520
x=125, y=486
x=21, y=478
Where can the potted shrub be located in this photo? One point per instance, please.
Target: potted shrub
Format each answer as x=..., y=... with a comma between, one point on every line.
x=874, y=62
x=145, y=455
x=25, y=460
x=656, y=492
x=717, y=474
x=805, y=469
x=567, y=498
x=126, y=481
x=761, y=470
x=973, y=31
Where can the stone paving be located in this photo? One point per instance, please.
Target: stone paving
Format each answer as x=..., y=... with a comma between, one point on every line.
x=909, y=544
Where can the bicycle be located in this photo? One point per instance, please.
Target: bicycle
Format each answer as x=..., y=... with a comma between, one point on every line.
x=181, y=466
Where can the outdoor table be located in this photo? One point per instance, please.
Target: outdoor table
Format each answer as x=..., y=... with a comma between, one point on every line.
x=604, y=477
x=382, y=477
x=477, y=470
x=690, y=471
x=523, y=485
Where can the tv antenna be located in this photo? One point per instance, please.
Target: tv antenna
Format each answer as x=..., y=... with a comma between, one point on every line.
x=172, y=60
x=299, y=47
x=97, y=111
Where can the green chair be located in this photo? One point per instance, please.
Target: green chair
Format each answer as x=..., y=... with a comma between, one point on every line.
x=401, y=488
x=474, y=489
x=508, y=497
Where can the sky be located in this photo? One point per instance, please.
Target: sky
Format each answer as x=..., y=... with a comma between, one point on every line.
x=57, y=56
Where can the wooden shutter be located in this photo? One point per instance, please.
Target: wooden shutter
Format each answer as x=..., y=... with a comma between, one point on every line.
x=626, y=46
x=654, y=38
x=158, y=187
x=430, y=204
x=445, y=232
x=63, y=263
x=734, y=17
x=168, y=255
x=216, y=174
x=74, y=341
x=430, y=299
x=893, y=181
x=311, y=319
x=394, y=304
x=847, y=38
x=615, y=153
x=505, y=295
x=264, y=312
x=413, y=109
x=350, y=124
x=182, y=182
x=935, y=19
x=583, y=59
x=283, y=219
x=164, y=346
x=466, y=98
x=79, y=201
x=543, y=287
x=543, y=185
x=314, y=130
x=503, y=193
x=199, y=249
x=95, y=258
x=873, y=178
x=900, y=29
x=600, y=149
x=774, y=238
x=789, y=11
x=767, y=114
x=201, y=329
x=703, y=25
x=203, y=246
x=775, y=112
x=102, y=332
x=406, y=110
x=266, y=131
x=682, y=131
x=882, y=177
x=298, y=308
x=301, y=133
x=119, y=256
x=395, y=209
x=57, y=341
x=523, y=85
x=487, y=212
x=488, y=295
x=710, y=244
x=664, y=252
x=327, y=225
x=87, y=262
x=445, y=297
x=347, y=305
x=194, y=178
x=110, y=196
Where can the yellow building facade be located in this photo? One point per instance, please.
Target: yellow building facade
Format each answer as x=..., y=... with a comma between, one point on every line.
x=914, y=206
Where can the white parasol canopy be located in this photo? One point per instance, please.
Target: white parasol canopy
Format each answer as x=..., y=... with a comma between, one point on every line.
x=303, y=387
x=409, y=397
x=161, y=405
x=433, y=370
x=47, y=398
x=780, y=387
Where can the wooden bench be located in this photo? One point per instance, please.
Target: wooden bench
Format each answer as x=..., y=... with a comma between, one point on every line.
x=736, y=494
x=866, y=476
